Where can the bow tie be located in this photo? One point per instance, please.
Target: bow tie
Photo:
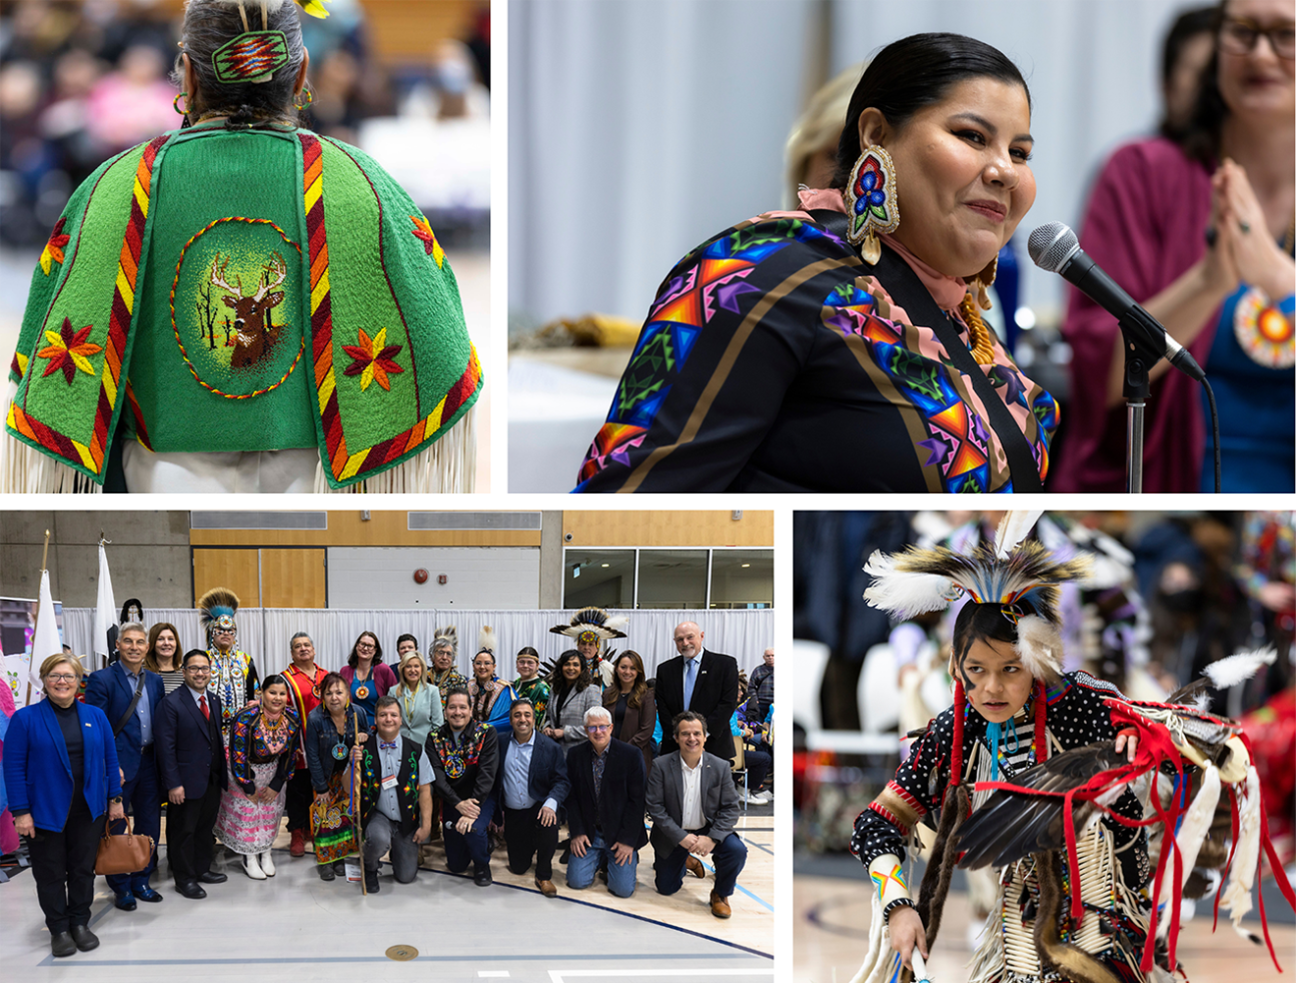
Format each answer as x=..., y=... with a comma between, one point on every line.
x=384, y=746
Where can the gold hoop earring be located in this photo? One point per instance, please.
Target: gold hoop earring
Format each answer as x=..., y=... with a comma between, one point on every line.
x=872, y=202
x=175, y=104
x=308, y=95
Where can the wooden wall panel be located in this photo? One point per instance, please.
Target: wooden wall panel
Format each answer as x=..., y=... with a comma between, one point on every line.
x=235, y=569
x=346, y=528
x=606, y=527
x=294, y=578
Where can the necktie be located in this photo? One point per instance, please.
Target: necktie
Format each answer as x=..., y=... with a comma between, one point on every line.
x=690, y=677
x=202, y=702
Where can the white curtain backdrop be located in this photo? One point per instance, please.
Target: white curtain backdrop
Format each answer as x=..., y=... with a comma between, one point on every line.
x=638, y=129
x=265, y=633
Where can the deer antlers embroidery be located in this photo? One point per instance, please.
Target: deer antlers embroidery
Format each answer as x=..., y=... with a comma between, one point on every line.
x=255, y=332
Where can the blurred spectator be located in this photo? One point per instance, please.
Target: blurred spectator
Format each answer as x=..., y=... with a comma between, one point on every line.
x=1188, y=49
x=132, y=104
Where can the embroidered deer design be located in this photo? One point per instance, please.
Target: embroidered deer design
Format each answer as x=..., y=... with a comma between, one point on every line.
x=253, y=338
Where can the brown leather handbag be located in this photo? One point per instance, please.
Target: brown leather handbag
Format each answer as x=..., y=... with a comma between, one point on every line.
x=124, y=853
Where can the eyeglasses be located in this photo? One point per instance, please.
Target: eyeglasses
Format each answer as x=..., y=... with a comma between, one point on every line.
x=60, y=677
x=598, y=727
x=1239, y=37
x=197, y=669
x=364, y=647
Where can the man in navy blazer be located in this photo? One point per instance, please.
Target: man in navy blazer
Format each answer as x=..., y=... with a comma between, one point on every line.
x=700, y=680
x=191, y=761
x=605, y=809
x=112, y=690
x=531, y=785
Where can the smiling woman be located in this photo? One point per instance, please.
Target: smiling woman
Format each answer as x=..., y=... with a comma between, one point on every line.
x=793, y=352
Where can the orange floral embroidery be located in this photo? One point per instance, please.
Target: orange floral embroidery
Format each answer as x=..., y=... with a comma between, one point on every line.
x=54, y=248
x=423, y=230
x=373, y=359
x=68, y=350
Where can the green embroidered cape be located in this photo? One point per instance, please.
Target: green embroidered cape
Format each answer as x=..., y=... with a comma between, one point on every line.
x=218, y=290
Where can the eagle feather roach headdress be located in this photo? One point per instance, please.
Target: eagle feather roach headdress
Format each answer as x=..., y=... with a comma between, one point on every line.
x=1013, y=570
x=217, y=608
x=593, y=624
x=447, y=634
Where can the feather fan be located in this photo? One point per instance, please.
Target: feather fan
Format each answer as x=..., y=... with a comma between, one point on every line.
x=1238, y=668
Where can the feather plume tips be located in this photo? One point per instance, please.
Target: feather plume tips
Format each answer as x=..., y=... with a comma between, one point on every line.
x=903, y=593
x=486, y=641
x=447, y=634
x=215, y=603
x=1015, y=526
x=1239, y=667
x=1040, y=646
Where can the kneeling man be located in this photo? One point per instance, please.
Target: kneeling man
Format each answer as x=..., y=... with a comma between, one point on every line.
x=532, y=786
x=395, y=797
x=694, y=805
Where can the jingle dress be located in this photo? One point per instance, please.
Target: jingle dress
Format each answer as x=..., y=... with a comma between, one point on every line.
x=260, y=755
x=1114, y=857
x=775, y=359
x=1145, y=226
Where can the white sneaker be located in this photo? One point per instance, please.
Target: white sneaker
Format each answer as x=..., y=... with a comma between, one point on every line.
x=252, y=868
x=267, y=864
x=754, y=800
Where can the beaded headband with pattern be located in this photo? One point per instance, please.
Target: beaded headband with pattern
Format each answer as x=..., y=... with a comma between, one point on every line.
x=1013, y=571
x=254, y=56
x=216, y=610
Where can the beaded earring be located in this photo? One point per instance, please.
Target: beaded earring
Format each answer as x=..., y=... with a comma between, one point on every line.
x=175, y=103
x=982, y=282
x=872, y=202
x=306, y=94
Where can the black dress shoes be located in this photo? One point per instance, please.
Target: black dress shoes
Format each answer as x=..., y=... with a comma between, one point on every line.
x=482, y=878
x=125, y=901
x=190, y=889
x=84, y=939
x=371, y=881
x=61, y=944
x=148, y=894
x=211, y=877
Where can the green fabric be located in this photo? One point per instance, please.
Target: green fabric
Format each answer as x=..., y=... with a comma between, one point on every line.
x=204, y=177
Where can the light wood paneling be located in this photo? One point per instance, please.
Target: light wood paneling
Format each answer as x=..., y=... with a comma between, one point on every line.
x=294, y=578
x=346, y=528
x=235, y=569
x=661, y=528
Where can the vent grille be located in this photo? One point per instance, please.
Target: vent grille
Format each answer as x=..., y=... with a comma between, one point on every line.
x=259, y=520
x=476, y=521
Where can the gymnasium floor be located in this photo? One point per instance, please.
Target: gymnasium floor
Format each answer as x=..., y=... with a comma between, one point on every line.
x=832, y=909
x=297, y=927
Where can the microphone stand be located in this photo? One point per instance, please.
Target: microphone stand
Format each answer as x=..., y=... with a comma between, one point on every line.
x=1139, y=357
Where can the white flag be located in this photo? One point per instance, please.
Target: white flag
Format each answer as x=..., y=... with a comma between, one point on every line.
x=46, y=640
x=105, y=612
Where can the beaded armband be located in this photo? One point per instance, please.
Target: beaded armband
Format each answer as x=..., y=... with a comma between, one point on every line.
x=897, y=903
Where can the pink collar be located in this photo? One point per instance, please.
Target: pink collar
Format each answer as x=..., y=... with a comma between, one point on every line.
x=947, y=291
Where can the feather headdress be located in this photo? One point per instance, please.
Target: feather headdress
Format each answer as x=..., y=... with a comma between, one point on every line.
x=593, y=624
x=217, y=608
x=1013, y=570
x=447, y=634
x=486, y=641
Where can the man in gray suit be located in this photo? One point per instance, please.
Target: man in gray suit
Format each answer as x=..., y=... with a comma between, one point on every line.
x=694, y=805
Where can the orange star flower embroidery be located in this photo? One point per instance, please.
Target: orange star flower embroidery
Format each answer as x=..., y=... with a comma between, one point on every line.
x=423, y=230
x=54, y=248
x=373, y=359
x=68, y=350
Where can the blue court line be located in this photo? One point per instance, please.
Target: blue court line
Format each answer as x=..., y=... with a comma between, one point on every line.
x=476, y=957
x=761, y=846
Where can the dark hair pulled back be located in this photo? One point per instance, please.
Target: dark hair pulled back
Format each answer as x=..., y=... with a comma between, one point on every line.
x=208, y=24
x=915, y=72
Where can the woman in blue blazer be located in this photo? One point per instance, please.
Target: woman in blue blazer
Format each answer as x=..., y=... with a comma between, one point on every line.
x=60, y=767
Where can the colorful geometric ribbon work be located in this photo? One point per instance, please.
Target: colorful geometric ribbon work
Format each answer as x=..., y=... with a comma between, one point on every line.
x=251, y=57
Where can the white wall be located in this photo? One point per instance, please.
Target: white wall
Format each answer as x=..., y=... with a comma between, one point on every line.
x=381, y=578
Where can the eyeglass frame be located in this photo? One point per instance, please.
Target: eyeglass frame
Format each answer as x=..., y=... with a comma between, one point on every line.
x=62, y=677
x=1256, y=33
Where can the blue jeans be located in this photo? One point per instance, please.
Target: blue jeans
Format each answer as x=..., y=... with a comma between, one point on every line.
x=621, y=877
x=140, y=793
x=729, y=858
x=461, y=848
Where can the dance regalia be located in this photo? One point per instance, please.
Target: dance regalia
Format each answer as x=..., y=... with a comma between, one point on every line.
x=260, y=756
x=306, y=696
x=537, y=691
x=234, y=679
x=491, y=706
x=445, y=681
x=243, y=290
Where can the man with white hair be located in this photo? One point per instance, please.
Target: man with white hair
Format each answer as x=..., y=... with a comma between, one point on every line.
x=700, y=680
x=605, y=807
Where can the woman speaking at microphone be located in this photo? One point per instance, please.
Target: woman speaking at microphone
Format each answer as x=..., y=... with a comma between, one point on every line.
x=1200, y=232
x=841, y=347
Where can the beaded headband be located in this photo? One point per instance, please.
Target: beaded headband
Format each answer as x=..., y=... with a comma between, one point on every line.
x=254, y=56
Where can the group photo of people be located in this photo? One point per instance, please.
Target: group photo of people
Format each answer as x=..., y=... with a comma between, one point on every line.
x=1014, y=720
x=615, y=757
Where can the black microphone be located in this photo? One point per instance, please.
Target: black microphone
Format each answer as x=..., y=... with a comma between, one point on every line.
x=1055, y=248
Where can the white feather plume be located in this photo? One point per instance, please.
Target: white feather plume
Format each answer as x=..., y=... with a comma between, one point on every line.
x=1040, y=646
x=1015, y=526
x=1239, y=667
x=1236, y=899
x=486, y=641
x=905, y=594
x=617, y=622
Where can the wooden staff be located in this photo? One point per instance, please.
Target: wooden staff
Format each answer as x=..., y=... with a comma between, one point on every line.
x=355, y=806
x=36, y=623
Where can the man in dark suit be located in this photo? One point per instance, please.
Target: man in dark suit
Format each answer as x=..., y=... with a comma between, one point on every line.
x=531, y=786
x=698, y=680
x=694, y=805
x=605, y=809
x=191, y=760
x=129, y=695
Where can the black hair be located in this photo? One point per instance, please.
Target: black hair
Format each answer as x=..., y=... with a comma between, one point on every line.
x=983, y=623
x=686, y=716
x=1200, y=139
x=274, y=679
x=527, y=650
x=1188, y=25
x=558, y=682
x=385, y=701
x=354, y=658
x=209, y=24
x=191, y=653
x=913, y=73
x=458, y=691
x=407, y=637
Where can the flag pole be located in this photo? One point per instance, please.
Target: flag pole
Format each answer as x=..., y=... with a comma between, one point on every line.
x=36, y=622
